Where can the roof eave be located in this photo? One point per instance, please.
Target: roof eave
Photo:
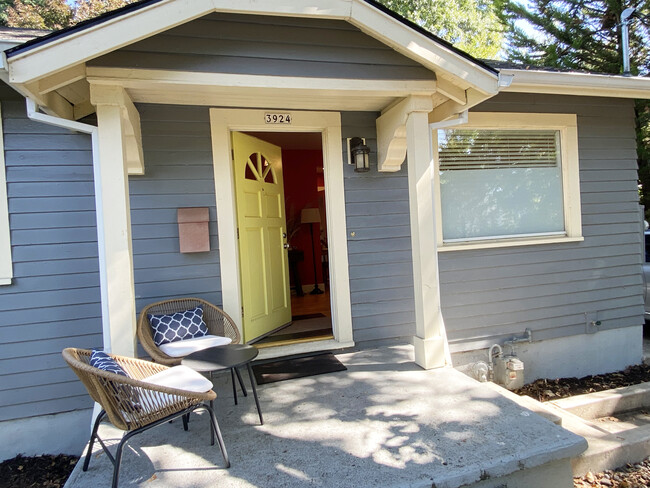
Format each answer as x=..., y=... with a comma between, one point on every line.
x=583, y=84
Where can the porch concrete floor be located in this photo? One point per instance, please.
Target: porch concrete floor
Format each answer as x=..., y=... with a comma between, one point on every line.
x=383, y=423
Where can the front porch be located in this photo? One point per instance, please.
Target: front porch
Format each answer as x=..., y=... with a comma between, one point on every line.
x=383, y=422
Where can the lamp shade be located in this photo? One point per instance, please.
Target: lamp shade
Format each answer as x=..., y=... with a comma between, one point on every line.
x=309, y=216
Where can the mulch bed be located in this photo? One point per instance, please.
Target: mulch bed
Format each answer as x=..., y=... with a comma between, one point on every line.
x=544, y=390
x=629, y=476
x=40, y=471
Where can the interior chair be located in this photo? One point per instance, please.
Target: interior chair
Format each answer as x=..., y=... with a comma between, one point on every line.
x=135, y=405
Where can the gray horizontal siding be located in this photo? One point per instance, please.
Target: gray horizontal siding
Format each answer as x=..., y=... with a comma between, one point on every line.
x=179, y=173
x=488, y=295
x=379, y=254
x=54, y=299
x=262, y=45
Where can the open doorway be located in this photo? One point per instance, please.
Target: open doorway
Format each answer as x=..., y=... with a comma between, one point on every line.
x=306, y=219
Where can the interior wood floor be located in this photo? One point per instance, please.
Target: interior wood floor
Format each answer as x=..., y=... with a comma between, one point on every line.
x=310, y=304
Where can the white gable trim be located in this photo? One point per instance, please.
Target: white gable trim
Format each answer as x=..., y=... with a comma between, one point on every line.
x=78, y=47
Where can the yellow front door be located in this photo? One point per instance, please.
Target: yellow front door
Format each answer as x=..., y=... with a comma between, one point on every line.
x=261, y=223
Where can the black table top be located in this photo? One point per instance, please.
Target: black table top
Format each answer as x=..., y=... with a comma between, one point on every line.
x=220, y=357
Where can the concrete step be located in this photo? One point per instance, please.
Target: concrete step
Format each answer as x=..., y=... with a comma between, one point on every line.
x=606, y=403
x=609, y=447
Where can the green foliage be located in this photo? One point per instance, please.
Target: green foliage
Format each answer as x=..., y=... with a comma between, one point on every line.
x=470, y=25
x=45, y=14
x=575, y=34
x=53, y=14
x=4, y=5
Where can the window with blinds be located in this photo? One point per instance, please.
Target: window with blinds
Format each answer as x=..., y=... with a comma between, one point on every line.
x=500, y=183
x=466, y=149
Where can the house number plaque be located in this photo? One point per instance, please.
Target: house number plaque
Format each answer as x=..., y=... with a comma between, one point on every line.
x=270, y=118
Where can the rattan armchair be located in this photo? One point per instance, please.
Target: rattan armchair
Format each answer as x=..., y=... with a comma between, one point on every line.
x=134, y=405
x=218, y=322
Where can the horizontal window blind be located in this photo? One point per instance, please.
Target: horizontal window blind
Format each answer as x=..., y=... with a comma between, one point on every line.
x=468, y=149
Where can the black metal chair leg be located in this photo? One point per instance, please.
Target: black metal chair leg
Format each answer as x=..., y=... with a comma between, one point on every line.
x=93, y=435
x=118, y=457
x=186, y=420
x=234, y=386
x=211, y=430
x=215, y=430
x=241, y=382
x=257, y=402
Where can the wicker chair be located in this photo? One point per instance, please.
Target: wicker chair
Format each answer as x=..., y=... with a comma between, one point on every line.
x=218, y=322
x=133, y=405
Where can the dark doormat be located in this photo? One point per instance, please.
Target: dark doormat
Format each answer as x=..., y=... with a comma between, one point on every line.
x=307, y=316
x=289, y=369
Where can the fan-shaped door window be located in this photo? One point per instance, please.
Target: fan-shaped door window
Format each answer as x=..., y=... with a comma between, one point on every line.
x=258, y=168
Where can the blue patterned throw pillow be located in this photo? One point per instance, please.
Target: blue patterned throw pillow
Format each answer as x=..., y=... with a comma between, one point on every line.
x=101, y=360
x=131, y=395
x=177, y=326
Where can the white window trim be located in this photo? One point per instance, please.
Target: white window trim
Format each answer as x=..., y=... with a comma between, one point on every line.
x=6, y=268
x=567, y=124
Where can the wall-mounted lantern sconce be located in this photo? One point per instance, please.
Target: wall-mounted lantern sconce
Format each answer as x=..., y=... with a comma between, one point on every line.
x=359, y=155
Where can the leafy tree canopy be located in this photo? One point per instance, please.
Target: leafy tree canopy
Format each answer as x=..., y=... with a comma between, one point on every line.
x=470, y=25
x=53, y=14
x=575, y=34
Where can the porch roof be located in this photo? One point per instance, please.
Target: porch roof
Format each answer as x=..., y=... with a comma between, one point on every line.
x=52, y=69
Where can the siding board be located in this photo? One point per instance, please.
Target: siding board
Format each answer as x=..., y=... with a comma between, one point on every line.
x=53, y=301
x=178, y=153
x=381, y=270
x=262, y=45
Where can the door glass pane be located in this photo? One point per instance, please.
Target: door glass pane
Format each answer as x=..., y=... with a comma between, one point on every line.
x=251, y=173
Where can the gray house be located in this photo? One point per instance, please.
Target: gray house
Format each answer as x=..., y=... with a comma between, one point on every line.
x=495, y=204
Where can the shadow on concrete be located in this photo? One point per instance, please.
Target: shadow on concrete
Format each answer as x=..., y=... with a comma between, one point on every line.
x=384, y=422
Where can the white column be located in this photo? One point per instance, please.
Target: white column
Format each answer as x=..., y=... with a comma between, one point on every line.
x=116, y=227
x=429, y=340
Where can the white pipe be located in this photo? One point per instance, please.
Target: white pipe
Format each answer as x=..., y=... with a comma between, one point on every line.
x=625, y=39
x=34, y=114
x=462, y=118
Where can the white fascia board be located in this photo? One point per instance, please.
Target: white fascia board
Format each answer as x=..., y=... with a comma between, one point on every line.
x=585, y=84
x=418, y=47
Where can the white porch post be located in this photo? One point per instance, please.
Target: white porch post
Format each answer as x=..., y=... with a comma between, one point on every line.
x=116, y=226
x=429, y=340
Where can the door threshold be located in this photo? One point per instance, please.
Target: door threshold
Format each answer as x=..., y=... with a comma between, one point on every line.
x=287, y=342
x=302, y=348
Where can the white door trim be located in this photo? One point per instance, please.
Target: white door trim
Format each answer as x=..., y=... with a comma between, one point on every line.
x=222, y=122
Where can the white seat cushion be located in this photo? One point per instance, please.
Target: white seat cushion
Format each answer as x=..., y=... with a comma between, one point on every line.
x=182, y=378
x=182, y=348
